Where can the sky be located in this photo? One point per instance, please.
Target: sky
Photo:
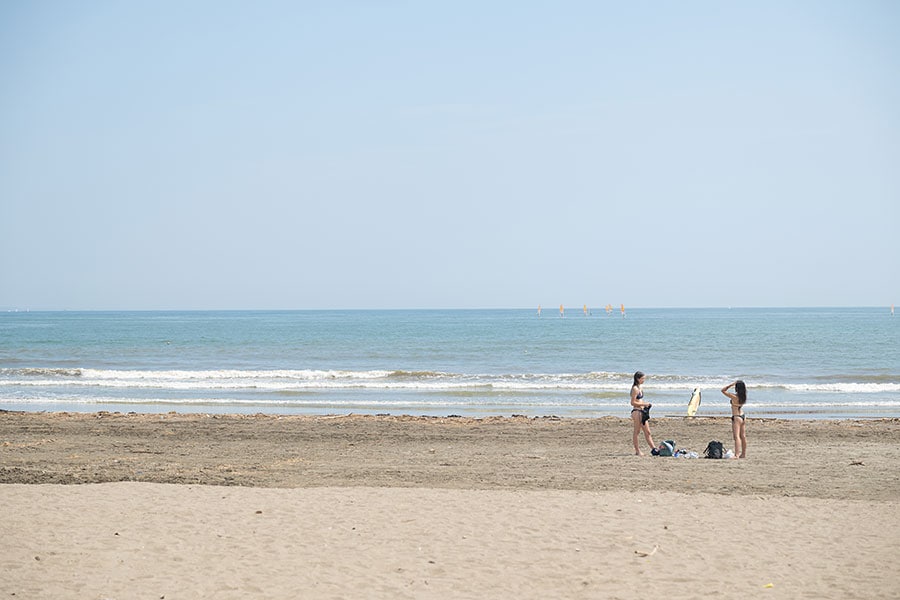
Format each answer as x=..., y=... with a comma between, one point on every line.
x=159, y=155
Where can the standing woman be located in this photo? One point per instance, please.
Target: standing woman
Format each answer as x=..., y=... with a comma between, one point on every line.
x=738, y=429
x=640, y=413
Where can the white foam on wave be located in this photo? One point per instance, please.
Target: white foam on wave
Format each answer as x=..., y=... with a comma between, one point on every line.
x=840, y=387
x=449, y=405
x=428, y=381
x=835, y=404
x=321, y=401
x=231, y=374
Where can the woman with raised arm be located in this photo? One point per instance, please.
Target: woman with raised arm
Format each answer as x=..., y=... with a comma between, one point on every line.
x=738, y=418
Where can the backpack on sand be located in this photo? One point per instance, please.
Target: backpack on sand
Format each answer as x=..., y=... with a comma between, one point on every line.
x=714, y=450
x=667, y=448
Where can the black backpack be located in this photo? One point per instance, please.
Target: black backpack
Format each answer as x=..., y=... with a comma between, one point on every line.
x=714, y=450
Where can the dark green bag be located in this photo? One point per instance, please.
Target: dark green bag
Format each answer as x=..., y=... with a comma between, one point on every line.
x=667, y=448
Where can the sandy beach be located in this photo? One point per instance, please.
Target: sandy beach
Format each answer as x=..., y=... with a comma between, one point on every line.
x=213, y=506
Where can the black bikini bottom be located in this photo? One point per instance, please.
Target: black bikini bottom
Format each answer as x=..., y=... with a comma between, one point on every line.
x=645, y=414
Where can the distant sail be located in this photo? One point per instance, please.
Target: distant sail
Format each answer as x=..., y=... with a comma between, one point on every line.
x=623, y=311
x=585, y=310
x=539, y=310
x=562, y=311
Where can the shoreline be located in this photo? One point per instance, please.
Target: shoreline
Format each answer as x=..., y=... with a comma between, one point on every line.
x=791, y=417
x=225, y=410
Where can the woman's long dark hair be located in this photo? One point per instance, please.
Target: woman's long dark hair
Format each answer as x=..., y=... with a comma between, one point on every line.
x=741, y=390
x=637, y=378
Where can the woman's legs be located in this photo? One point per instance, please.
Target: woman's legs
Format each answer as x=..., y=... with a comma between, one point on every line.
x=649, y=438
x=740, y=437
x=636, y=419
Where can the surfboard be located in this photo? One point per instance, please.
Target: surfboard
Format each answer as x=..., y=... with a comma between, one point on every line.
x=694, y=402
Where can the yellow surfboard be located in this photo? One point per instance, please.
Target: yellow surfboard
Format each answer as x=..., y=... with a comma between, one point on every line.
x=694, y=402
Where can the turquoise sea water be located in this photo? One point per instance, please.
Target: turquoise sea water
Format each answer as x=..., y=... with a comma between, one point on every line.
x=810, y=363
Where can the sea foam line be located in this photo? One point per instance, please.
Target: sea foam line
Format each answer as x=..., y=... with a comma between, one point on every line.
x=661, y=408
x=324, y=379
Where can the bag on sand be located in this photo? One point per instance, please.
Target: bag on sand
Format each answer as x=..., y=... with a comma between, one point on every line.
x=714, y=450
x=667, y=448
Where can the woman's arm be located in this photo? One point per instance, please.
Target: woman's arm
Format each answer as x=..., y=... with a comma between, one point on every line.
x=727, y=393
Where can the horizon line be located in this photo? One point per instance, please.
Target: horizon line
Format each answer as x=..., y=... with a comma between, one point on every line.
x=577, y=309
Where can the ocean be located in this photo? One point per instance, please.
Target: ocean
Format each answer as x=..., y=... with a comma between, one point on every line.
x=819, y=363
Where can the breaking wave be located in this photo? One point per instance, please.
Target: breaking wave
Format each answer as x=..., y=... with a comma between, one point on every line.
x=336, y=379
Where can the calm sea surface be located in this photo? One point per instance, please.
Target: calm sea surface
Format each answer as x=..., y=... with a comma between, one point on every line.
x=810, y=363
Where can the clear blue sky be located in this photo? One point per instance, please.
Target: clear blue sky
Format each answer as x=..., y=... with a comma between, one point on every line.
x=368, y=154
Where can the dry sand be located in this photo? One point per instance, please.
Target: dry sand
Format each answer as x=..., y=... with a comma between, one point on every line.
x=409, y=507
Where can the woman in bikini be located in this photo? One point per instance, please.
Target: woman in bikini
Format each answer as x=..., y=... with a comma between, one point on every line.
x=738, y=399
x=640, y=413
